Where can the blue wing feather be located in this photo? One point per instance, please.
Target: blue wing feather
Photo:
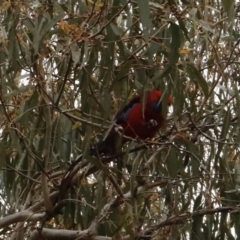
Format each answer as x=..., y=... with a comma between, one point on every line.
x=122, y=116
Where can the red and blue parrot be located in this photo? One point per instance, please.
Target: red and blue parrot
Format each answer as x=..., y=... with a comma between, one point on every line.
x=138, y=120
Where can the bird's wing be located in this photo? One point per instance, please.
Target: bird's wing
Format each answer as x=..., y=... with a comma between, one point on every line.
x=122, y=116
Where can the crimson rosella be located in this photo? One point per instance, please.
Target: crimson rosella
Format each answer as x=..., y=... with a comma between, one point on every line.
x=135, y=121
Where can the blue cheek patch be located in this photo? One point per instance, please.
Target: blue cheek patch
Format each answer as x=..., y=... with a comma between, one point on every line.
x=156, y=107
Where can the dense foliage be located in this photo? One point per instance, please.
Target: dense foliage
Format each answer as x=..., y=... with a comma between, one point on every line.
x=66, y=67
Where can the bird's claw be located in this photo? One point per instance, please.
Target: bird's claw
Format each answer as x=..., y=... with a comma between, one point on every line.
x=118, y=129
x=152, y=123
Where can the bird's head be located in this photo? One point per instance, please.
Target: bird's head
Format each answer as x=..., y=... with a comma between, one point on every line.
x=154, y=99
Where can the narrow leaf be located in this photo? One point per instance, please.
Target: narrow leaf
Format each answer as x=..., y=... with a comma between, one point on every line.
x=144, y=11
x=197, y=76
x=175, y=44
x=228, y=6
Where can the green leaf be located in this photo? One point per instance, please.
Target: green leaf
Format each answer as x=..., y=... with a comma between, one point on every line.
x=235, y=217
x=221, y=145
x=76, y=53
x=144, y=11
x=29, y=24
x=184, y=29
x=50, y=24
x=64, y=137
x=197, y=203
x=178, y=93
x=117, y=30
x=162, y=74
x=228, y=6
x=27, y=110
x=196, y=75
x=175, y=44
x=196, y=228
x=226, y=123
x=172, y=163
x=129, y=19
x=3, y=153
x=115, y=10
x=206, y=26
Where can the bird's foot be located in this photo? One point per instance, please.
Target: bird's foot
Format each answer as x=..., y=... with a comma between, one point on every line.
x=118, y=129
x=152, y=123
